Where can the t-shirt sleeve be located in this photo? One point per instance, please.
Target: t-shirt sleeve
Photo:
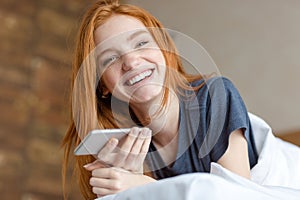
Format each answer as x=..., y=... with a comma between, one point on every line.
x=226, y=112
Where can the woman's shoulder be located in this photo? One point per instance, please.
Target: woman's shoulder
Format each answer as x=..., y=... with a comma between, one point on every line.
x=215, y=82
x=218, y=88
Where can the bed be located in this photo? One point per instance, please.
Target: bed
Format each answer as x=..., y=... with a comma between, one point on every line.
x=276, y=176
x=293, y=137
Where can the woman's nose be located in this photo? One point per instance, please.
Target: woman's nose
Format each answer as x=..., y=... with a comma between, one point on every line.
x=130, y=60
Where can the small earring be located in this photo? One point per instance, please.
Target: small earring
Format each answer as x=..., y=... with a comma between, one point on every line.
x=105, y=96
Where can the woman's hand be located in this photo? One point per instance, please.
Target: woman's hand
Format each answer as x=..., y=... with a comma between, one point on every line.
x=128, y=153
x=111, y=180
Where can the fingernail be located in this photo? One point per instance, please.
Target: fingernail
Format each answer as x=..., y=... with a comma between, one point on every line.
x=87, y=165
x=135, y=131
x=147, y=133
x=113, y=141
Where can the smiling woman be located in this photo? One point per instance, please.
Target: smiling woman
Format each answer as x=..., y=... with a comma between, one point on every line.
x=125, y=61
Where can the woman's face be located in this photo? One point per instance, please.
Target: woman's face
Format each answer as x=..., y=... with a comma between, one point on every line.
x=132, y=66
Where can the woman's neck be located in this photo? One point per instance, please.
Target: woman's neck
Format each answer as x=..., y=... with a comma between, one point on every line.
x=164, y=125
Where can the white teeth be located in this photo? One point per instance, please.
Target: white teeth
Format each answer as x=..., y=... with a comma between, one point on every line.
x=139, y=77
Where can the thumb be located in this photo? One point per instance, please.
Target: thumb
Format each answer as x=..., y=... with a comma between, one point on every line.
x=94, y=165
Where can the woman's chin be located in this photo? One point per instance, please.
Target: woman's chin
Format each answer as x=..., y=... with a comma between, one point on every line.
x=145, y=95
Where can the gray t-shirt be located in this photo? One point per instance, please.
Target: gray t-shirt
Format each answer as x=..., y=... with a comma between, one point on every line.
x=206, y=120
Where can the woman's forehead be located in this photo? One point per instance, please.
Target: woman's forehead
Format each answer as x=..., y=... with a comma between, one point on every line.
x=117, y=25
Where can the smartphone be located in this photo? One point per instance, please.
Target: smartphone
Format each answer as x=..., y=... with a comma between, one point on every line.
x=96, y=139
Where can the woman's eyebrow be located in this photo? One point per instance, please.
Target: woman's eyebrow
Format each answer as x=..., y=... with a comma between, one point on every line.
x=135, y=34
x=104, y=51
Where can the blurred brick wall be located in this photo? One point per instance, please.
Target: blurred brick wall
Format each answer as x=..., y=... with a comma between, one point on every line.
x=36, y=42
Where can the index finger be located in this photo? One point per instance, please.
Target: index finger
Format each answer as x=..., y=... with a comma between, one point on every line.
x=128, y=142
x=103, y=154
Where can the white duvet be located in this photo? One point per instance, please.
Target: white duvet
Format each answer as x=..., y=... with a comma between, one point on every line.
x=275, y=176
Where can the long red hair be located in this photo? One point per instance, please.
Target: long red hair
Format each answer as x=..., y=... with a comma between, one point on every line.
x=89, y=110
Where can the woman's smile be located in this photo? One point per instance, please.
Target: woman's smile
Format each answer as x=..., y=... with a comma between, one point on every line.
x=139, y=78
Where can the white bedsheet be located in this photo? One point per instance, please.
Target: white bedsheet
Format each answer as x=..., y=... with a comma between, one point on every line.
x=275, y=177
x=278, y=162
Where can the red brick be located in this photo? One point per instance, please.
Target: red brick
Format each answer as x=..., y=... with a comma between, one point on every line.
x=11, y=163
x=54, y=22
x=43, y=151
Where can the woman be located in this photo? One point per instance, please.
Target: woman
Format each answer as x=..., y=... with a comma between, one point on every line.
x=125, y=60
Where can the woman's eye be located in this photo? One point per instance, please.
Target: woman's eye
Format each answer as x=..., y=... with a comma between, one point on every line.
x=110, y=60
x=140, y=44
